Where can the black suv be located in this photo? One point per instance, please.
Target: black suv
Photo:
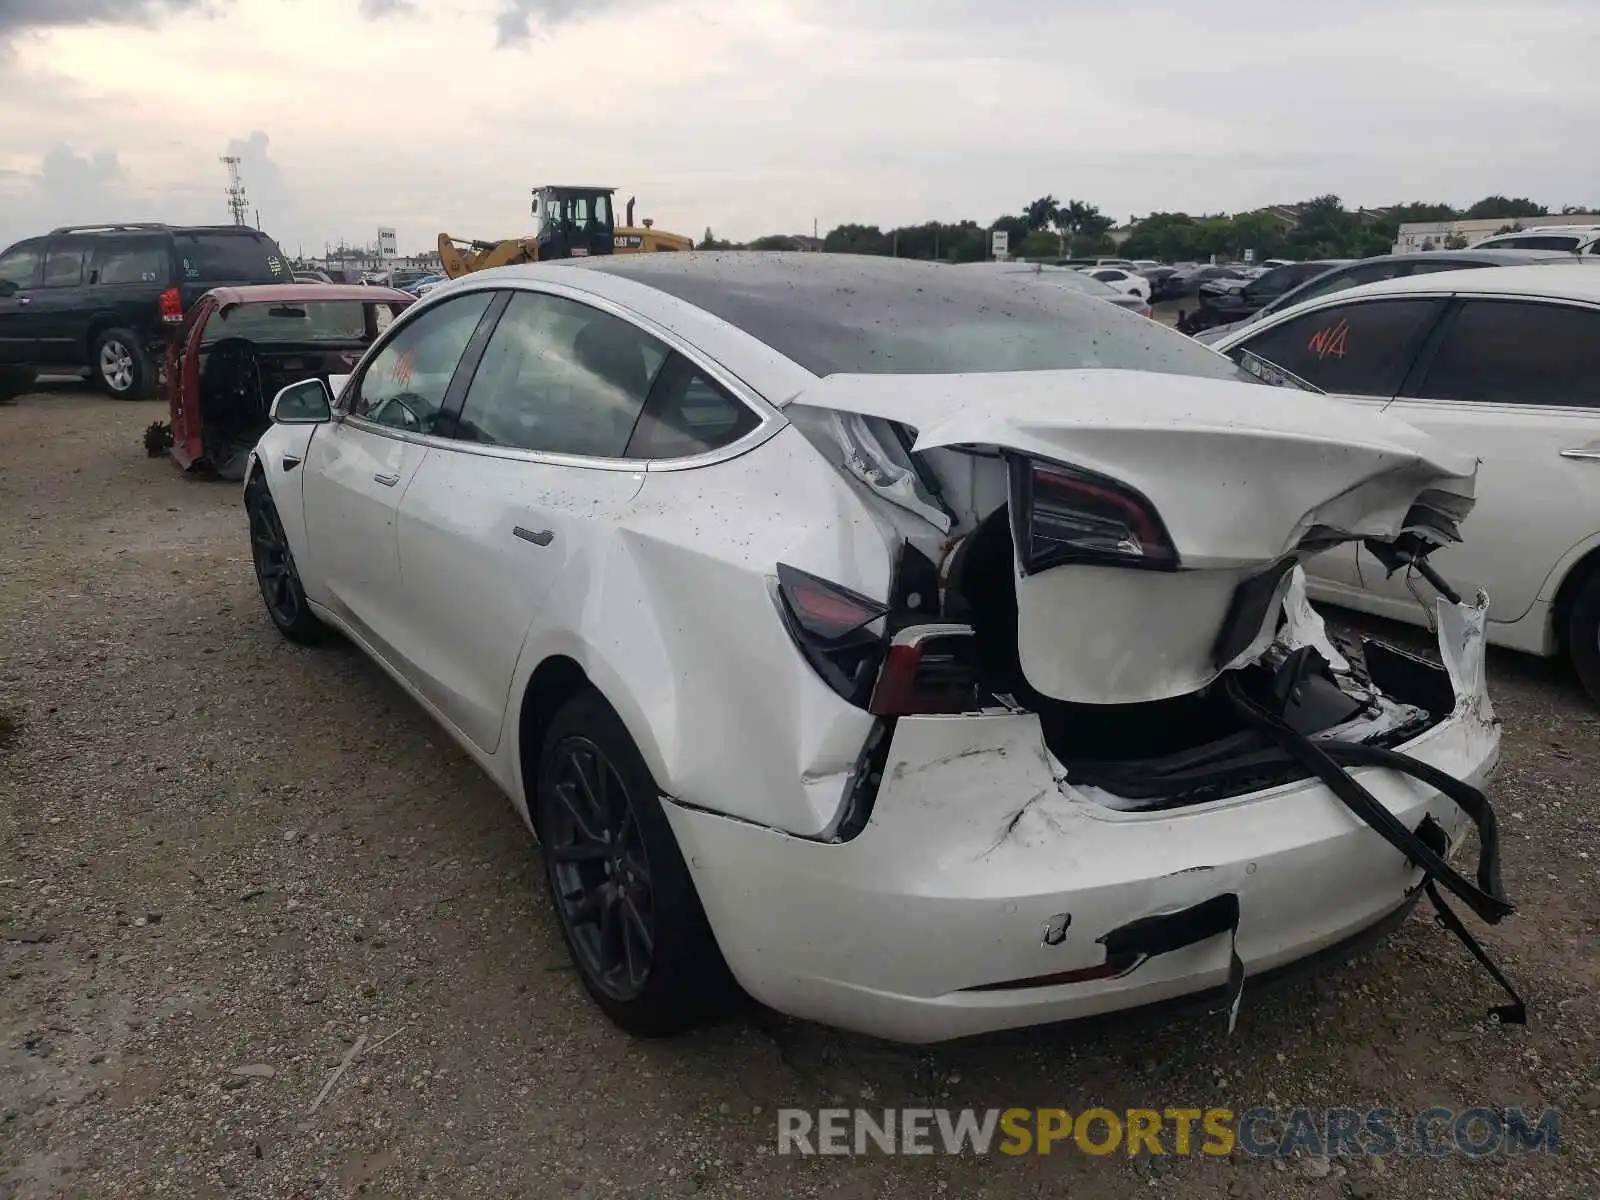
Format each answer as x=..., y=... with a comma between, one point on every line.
x=103, y=297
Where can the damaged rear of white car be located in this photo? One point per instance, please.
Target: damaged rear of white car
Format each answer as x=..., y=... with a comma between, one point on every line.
x=966, y=681
x=1095, y=656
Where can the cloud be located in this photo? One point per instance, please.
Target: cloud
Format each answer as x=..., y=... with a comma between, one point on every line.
x=517, y=18
x=378, y=9
x=67, y=188
x=17, y=15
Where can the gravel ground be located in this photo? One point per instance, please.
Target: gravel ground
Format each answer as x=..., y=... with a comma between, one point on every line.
x=218, y=851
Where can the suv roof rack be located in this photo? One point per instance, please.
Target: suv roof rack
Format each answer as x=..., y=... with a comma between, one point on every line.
x=158, y=226
x=111, y=228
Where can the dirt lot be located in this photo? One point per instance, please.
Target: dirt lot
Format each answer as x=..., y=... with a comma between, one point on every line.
x=219, y=851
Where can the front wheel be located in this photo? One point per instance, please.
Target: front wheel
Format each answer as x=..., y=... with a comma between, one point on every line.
x=275, y=570
x=627, y=907
x=1583, y=633
x=120, y=365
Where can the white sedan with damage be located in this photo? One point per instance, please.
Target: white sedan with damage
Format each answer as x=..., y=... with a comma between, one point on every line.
x=921, y=652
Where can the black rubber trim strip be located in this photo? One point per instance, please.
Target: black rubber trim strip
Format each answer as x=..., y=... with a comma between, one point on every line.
x=1129, y=946
x=1486, y=897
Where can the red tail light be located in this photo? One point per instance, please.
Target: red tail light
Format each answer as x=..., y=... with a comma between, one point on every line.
x=172, y=306
x=929, y=669
x=922, y=669
x=1061, y=514
x=828, y=623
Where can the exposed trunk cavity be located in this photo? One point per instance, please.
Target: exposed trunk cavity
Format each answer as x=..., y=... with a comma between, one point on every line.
x=1195, y=747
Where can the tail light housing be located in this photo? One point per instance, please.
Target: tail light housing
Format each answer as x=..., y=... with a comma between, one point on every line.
x=172, y=306
x=1062, y=514
x=828, y=622
x=929, y=669
x=922, y=669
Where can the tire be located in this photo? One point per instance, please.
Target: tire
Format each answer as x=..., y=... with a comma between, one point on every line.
x=120, y=366
x=623, y=895
x=276, y=574
x=1583, y=633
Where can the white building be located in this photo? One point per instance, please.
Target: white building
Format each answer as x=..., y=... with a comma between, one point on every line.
x=1416, y=237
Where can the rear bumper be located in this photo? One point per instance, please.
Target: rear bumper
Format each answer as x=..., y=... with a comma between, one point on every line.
x=978, y=846
x=974, y=850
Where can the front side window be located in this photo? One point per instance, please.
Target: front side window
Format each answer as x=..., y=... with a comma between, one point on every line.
x=1358, y=349
x=561, y=378
x=405, y=384
x=1518, y=352
x=20, y=264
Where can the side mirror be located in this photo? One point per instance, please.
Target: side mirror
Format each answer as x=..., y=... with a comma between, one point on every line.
x=8, y=288
x=305, y=403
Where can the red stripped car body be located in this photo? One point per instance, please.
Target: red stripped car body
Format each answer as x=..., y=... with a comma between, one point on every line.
x=220, y=381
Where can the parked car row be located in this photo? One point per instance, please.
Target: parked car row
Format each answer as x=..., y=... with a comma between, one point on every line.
x=1502, y=364
x=1222, y=310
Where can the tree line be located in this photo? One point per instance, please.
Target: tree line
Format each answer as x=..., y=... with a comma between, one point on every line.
x=1322, y=228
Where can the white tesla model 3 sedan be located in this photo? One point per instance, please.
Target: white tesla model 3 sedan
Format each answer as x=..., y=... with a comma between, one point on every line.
x=924, y=652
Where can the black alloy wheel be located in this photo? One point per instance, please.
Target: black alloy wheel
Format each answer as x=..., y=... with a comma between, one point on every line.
x=275, y=570
x=600, y=869
x=625, y=901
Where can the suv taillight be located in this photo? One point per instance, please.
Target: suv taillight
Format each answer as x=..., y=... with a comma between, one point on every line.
x=1061, y=514
x=172, y=306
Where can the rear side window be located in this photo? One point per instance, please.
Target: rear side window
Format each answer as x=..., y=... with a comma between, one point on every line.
x=1360, y=349
x=688, y=413
x=131, y=262
x=1511, y=352
x=230, y=258
x=64, y=262
x=562, y=378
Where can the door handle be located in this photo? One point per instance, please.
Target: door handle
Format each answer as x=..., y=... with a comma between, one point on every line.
x=1586, y=453
x=539, y=537
x=387, y=480
x=24, y=299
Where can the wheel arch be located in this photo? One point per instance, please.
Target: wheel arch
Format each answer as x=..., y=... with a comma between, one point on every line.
x=1572, y=576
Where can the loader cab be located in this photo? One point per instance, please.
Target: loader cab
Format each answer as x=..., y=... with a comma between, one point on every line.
x=574, y=222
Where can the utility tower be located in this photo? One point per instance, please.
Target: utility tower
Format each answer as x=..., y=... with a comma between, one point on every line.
x=238, y=203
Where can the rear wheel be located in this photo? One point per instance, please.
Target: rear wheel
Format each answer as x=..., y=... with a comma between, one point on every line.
x=121, y=367
x=1583, y=632
x=627, y=907
x=275, y=569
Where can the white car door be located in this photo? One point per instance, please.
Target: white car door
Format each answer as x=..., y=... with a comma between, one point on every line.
x=359, y=465
x=1358, y=352
x=1517, y=383
x=538, y=470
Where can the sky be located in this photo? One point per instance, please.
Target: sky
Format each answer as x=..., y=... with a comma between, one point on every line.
x=763, y=116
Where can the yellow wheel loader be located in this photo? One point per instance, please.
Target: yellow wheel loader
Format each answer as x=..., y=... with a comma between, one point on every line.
x=573, y=222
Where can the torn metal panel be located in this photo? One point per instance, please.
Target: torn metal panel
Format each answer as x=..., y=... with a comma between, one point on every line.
x=1240, y=481
x=1239, y=476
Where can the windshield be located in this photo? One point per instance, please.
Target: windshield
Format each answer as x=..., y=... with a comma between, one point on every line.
x=306, y=321
x=841, y=313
